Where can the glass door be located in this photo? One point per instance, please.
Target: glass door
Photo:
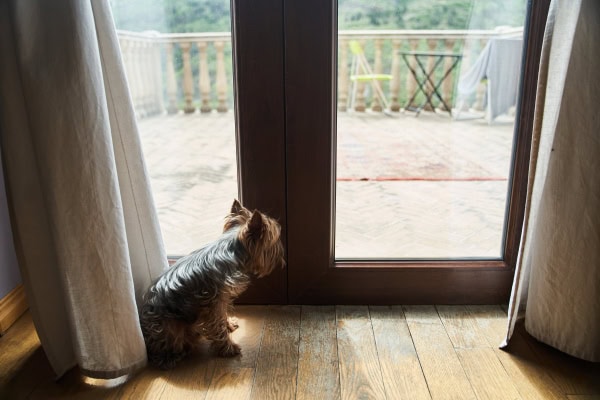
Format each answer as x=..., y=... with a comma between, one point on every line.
x=407, y=148
x=178, y=63
x=427, y=98
x=349, y=123
x=210, y=118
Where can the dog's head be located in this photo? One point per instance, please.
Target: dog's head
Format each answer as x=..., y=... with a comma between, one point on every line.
x=260, y=235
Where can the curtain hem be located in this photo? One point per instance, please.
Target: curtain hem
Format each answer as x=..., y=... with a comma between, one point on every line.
x=113, y=374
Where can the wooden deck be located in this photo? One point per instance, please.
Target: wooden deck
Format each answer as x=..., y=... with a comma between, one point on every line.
x=332, y=352
x=408, y=187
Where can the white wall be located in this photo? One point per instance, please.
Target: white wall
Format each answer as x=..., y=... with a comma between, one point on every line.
x=9, y=271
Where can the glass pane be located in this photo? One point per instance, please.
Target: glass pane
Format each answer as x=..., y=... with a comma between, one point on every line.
x=427, y=92
x=177, y=56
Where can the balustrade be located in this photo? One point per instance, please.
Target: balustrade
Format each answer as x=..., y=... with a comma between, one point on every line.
x=189, y=71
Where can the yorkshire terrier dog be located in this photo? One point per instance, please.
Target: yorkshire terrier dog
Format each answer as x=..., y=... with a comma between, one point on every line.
x=192, y=299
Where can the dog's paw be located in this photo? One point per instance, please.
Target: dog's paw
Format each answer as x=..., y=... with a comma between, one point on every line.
x=232, y=324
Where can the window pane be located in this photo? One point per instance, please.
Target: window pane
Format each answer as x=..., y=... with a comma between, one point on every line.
x=177, y=57
x=427, y=95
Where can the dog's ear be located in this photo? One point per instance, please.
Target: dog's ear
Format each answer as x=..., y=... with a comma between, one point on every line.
x=256, y=225
x=236, y=207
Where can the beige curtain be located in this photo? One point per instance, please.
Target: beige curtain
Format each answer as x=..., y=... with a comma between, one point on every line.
x=557, y=282
x=82, y=213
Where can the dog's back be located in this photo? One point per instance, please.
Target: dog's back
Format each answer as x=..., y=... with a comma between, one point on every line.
x=194, y=296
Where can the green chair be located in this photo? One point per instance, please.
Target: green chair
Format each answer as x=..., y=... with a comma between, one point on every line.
x=360, y=71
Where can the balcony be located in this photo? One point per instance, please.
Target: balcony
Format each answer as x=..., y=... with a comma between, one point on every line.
x=203, y=64
x=182, y=94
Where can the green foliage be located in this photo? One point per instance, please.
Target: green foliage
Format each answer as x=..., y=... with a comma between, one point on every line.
x=139, y=15
x=447, y=14
x=197, y=15
x=429, y=14
x=381, y=14
x=214, y=15
x=172, y=16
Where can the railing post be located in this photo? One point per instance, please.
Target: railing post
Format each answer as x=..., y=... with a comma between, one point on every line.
x=221, y=80
x=395, y=83
x=140, y=78
x=465, y=63
x=171, y=81
x=378, y=69
x=481, y=87
x=360, y=105
x=343, y=76
x=157, y=78
x=431, y=44
x=188, y=84
x=448, y=85
x=411, y=83
x=134, y=76
x=148, y=82
x=126, y=56
x=203, y=78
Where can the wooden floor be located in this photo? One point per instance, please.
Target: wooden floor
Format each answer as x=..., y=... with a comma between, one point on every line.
x=333, y=352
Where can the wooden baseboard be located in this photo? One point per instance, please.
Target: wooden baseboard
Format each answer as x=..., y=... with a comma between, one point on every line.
x=12, y=306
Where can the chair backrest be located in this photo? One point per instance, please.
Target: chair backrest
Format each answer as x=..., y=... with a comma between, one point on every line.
x=355, y=47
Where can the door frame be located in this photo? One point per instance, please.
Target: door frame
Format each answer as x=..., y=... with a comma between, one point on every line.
x=258, y=59
x=285, y=88
x=314, y=276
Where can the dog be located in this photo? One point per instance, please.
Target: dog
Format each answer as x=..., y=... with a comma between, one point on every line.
x=192, y=299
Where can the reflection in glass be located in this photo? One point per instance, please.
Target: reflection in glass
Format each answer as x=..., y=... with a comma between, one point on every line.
x=427, y=94
x=177, y=56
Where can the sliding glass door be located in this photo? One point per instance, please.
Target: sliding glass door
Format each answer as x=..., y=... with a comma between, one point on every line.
x=407, y=149
x=390, y=139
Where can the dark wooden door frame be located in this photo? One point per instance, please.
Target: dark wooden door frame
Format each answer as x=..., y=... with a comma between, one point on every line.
x=257, y=40
x=285, y=87
x=314, y=277
x=534, y=36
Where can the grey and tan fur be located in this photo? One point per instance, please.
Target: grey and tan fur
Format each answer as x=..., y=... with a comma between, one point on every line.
x=193, y=298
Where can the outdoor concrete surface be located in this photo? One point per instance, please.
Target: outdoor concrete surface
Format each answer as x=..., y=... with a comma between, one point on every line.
x=409, y=187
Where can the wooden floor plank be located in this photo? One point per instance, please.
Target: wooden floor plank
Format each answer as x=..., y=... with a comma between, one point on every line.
x=491, y=321
x=18, y=348
x=525, y=371
x=191, y=378
x=233, y=377
x=443, y=371
x=19, y=342
x=461, y=327
x=374, y=358
x=400, y=367
x=26, y=373
x=318, y=373
x=360, y=374
x=231, y=383
x=73, y=386
x=277, y=365
x=148, y=384
x=574, y=376
x=486, y=374
x=251, y=320
x=33, y=372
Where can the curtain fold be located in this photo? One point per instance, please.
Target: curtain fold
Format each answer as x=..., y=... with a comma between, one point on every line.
x=557, y=281
x=86, y=230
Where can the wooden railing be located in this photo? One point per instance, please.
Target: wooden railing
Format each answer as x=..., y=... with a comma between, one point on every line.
x=192, y=71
